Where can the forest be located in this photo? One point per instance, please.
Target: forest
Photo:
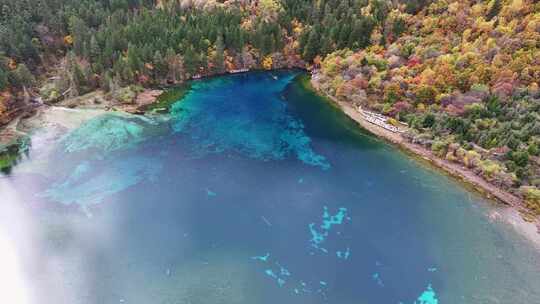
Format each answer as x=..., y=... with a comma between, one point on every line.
x=99, y=43
x=462, y=74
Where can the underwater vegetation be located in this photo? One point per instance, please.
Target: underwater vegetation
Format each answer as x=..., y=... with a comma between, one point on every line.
x=106, y=133
x=90, y=184
x=221, y=117
x=321, y=232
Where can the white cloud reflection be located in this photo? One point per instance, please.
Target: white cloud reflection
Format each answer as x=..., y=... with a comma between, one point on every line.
x=14, y=287
x=11, y=277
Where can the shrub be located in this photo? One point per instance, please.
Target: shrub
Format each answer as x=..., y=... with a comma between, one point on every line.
x=490, y=168
x=521, y=158
x=439, y=147
x=428, y=121
x=471, y=158
x=533, y=149
x=426, y=94
x=532, y=198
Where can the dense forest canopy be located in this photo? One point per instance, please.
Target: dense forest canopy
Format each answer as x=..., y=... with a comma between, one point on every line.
x=464, y=75
x=149, y=41
x=115, y=38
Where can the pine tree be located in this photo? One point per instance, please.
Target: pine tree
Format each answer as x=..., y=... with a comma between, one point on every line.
x=219, y=60
x=171, y=65
x=126, y=72
x=312, y=47
x=119, y=5
x=326, y=45
x=344, y=34
x=79, y=32
x=190, y=61
x=94, y=49
x=75, y=75
x=494, y=9
x=398, y=27
x=107, y=82
x=22, y=77
x=380, y=11
x=133, y=58
x=4, y=81
x=160, y=67
x=202, y=60
x=414, y=6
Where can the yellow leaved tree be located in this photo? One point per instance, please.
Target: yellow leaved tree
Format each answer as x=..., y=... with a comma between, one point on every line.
x=269, y=9
x=68, y=40
x=267, y=63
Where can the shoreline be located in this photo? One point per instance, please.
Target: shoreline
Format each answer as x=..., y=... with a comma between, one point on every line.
x=456, y=171
x=151, y=99
x=531, y=230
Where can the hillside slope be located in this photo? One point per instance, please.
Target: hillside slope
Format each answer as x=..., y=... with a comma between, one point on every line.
x=464, y=75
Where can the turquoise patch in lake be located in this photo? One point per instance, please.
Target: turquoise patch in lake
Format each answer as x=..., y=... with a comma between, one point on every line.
x=86, y=187
x=319, y=234
x=210, y=193
x=377, y=278
x=282, y=276
x=107, y=133
x=428, y=297
x=343, y=254
x=224, y=116
x=276, y=271
x=263, y=258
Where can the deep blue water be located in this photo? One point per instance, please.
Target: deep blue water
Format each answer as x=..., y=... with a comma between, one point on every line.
x=253, y=190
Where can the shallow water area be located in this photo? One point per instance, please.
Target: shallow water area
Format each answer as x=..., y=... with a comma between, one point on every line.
x=252, y=190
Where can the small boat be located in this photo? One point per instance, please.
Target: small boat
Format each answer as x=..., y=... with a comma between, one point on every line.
x=275, y=77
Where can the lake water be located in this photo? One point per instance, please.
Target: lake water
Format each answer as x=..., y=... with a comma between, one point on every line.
x=253, y=190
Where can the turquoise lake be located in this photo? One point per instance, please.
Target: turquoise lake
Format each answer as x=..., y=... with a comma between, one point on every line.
x=252, y=190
